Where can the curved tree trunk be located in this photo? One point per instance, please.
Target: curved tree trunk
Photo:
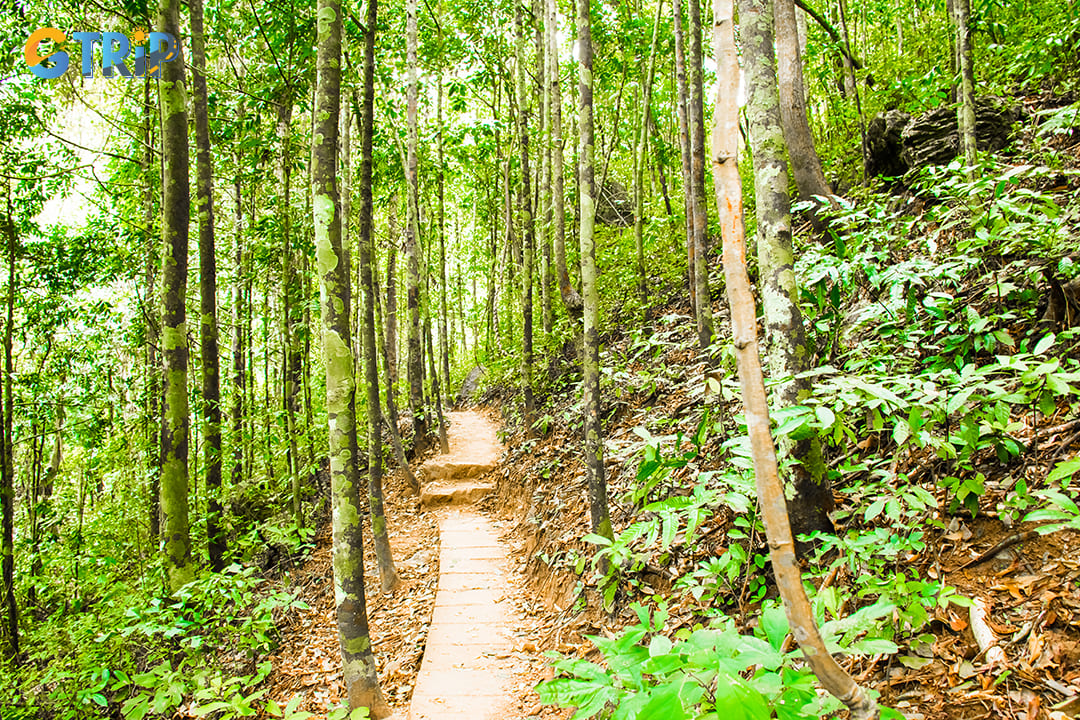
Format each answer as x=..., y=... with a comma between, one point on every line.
x=175, y=218
x=755, y=23
x=361, y=682
x=208, y=326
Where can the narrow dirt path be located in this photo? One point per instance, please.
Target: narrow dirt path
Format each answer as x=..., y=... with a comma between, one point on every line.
x=470, y=663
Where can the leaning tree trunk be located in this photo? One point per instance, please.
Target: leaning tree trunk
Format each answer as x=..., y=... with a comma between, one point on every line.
x=744, y=328
x=175, y=218
x=415, y=363
x=388, y=575
x=696, y=125
x=570, y=297
x=812, y=501
x=594, y=446
x=361, y=681
x=208, y=326
x=805, y=162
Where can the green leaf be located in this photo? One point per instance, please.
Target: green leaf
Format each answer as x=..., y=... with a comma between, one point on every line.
x=874, y=510
x=1043, y=345
x=597, y=540
x=1064, y=470
x=659, y=645
x=136, y=708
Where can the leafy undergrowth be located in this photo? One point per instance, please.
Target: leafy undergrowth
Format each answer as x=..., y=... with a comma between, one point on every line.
x=945, y=389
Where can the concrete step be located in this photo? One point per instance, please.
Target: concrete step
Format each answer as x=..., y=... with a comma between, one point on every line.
x=440, y=493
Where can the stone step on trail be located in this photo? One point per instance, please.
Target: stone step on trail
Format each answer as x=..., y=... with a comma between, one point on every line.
x=455, y=478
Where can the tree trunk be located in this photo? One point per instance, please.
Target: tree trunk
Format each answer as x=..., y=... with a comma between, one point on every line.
x=525, y=198
x=966, y=111
x=387, y=573
x=444, y=338
x=696, y=126
x=391, y=402
x=391, y=298
x=291, y=310
x=639, y=163
x=754, y=23
x=570, y=297
x=361, y=682
x=153, y=342
x=543, y=183
x=175, y=219
x=785, y=336
x=238, y=362
x=10, y=629
x=415, y=364
x=682, y=103
x=805, y=162
x=594, y=446
x=211, y=364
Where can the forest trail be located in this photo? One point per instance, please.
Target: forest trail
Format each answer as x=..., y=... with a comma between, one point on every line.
x=468, y=665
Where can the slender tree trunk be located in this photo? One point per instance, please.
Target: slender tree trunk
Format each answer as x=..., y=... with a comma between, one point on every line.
x=175, y=216
x=682, y=105
x=415, y=366
x=211, y=364
x=153, y=335
x=291, y=306
x=387, y=573
x=805, y=162
x=639, y=163
x=594, y=445
x=785, y=337
x=10, y=630
x=696, y=125
x=444, y=339
x=238, y=362
x=543, y=183
x=570, y=297
x=436, y=396
x=754, y=22
x=391, y=299
x=525, y=198
x=966, y=110
x=391, y=403
x=851, y=87
x=361, y=682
